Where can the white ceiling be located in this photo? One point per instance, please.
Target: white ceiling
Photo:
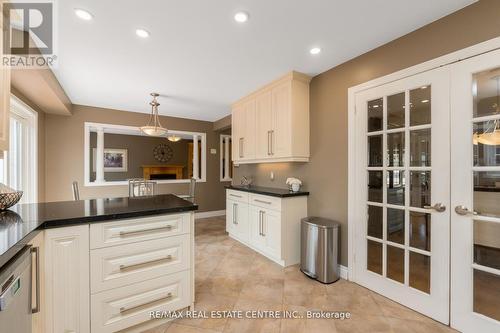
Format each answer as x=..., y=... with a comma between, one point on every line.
x=200, y=60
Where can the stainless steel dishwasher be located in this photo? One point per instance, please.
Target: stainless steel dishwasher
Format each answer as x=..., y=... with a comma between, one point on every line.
x=15, y=294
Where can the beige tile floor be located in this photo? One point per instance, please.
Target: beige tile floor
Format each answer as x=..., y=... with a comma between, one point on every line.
x=230, y=276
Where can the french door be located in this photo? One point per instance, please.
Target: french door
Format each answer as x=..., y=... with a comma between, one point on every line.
x=402, y=192
x=427, y=192
x=475, y=194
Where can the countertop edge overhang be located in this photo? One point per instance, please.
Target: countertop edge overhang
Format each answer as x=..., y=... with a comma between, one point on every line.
x=23, y=222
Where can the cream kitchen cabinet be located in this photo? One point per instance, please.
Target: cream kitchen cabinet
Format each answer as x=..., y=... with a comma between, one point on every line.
x=67, y=293
x=272, y=124
x=268, y=224
x=244, y=124
x=106, y=277
x=265, y=231
x=237, y=219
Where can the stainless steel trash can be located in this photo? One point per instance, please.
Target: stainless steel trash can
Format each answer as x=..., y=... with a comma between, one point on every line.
x=320, y=249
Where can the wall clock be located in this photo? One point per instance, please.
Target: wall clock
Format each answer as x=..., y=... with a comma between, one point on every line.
x=163, y=153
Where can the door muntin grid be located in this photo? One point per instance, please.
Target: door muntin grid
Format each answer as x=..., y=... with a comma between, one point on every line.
x=485, y=229
x=398, y=246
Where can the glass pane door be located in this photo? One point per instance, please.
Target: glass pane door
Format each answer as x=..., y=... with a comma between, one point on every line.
x=402, y=235
x=476, y=194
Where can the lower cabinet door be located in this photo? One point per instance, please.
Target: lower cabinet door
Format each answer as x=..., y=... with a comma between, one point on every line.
x=256, y=237
x=116, y=309
x=272, y=232
x=67, y=291
x=237, y=219
x=38, y=283
x=230, y=216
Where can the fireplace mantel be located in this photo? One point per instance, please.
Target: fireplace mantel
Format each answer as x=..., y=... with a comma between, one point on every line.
x=162, y=170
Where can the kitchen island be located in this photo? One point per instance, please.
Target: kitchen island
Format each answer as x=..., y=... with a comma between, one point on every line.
x=102, y=265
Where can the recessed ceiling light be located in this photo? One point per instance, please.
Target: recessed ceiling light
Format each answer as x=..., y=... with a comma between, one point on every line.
x=425, y=101
x=142, y=33
x=315, y=50
x=241, y=17
x=83, y=14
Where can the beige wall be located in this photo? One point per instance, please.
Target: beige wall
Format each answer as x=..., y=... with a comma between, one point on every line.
x=65, y=160
x=326, y=174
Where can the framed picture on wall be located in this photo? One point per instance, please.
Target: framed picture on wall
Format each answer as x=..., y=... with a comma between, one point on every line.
x=115, y=160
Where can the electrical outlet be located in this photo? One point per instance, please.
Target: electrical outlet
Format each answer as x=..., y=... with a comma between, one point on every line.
x=213, y=151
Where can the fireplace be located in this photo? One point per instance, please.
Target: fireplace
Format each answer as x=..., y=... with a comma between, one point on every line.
x=159, y=172
x=161, y=176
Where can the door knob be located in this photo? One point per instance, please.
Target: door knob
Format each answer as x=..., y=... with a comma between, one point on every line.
x=462, y=210
x=439, y=207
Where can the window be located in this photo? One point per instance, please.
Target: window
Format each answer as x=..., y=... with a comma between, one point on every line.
x=115, y=153
x=19, y=166
x=226, y=170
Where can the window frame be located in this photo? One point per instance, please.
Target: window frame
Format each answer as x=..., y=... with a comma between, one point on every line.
x=130, y=130
x=29, y=173
x=221, y=157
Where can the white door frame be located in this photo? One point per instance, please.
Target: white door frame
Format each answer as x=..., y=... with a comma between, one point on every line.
x=450, y=58
x=435, y=302
x=462, y=184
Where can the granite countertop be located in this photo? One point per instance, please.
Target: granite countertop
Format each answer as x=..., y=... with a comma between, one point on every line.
x=20, y=224
x=486, y=189
x=274, y=192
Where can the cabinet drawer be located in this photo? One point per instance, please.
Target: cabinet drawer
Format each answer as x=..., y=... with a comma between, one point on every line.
x=137, y=230
x=265, y=201
x=237, y=196
x=120, y=308
x=122, y=265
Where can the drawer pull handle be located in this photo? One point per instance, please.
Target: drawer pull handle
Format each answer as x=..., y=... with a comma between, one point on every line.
x=128, y=233
x=262, y=201
x=125, y=309
x=234, y=195
x=36, y=251
x=125, y=267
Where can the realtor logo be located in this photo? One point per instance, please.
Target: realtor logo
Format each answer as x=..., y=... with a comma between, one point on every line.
x=28, y=34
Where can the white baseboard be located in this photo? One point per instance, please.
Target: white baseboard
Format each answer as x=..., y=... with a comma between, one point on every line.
x=214, y=213
x=344, y=272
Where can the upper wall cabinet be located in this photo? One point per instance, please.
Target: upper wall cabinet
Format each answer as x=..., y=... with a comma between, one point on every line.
x=4, y=95
x=272, y=124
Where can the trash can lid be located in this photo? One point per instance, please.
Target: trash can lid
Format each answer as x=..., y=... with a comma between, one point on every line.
x=320, y=222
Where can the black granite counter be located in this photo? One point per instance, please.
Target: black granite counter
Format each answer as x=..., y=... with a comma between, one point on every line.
x=274, y=192
x=20, y=224
x=486, y=189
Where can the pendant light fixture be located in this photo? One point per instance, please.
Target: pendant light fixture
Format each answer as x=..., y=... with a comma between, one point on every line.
x=491, y=134
x=154, y=128
x=174, y=138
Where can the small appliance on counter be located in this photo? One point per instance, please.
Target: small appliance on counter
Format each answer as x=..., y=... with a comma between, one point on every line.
x=294, y=184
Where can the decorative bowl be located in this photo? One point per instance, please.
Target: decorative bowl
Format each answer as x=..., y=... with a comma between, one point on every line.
x=9, y=199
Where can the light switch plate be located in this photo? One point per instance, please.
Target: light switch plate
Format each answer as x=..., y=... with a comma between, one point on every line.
x=213, y=151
